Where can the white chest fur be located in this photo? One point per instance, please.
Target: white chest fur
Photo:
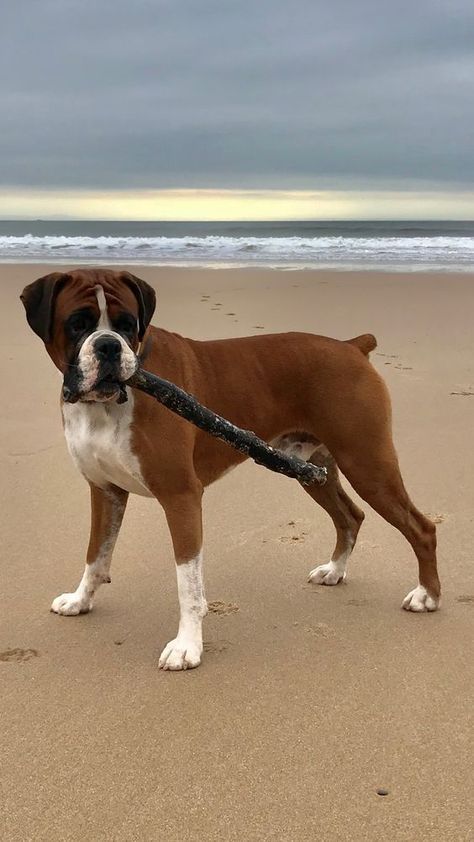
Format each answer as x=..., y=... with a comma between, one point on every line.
x=98, y=438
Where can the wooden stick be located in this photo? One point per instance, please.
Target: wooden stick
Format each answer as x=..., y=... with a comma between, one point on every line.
x=185, y=405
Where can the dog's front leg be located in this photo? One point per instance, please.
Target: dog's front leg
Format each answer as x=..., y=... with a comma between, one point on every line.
x=107, y=509
x=183, y=513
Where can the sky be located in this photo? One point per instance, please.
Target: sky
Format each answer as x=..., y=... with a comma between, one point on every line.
x=253, y=109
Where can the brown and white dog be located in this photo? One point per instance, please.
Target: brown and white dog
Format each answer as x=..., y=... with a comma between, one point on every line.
x=315, y=397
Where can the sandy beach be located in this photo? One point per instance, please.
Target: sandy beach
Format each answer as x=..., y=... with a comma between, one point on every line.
x=309, y=699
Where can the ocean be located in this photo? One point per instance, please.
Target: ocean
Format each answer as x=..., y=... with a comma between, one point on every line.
x=396, y=246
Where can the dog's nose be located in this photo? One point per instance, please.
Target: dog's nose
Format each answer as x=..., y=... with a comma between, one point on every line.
x=107, y=349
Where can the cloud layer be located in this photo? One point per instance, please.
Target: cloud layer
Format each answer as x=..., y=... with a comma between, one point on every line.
x=204, y=93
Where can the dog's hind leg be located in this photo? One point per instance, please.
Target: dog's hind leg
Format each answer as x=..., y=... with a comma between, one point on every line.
x=375, y=475
x=107, y=510
x=346, y=516
x=359, y=436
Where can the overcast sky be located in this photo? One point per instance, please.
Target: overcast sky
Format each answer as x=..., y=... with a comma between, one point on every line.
x=251, y=94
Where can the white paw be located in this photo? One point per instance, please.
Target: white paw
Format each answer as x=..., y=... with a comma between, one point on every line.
x=327, y=574
x=181, y=654
x=70, y=604
x=419, y=600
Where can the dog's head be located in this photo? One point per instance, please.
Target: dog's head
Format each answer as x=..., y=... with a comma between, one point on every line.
x=92, y=322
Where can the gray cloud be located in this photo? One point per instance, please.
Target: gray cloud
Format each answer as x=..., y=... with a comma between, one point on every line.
x=218, y=93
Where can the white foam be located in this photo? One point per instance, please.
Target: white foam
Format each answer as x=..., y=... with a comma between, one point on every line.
x=454, y=253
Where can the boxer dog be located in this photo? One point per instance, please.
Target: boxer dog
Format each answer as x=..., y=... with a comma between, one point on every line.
x=310, y=396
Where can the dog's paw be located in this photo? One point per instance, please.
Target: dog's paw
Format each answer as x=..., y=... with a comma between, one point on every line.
x=327, y=574
x=419, y=600
x=181, y=654
x=71, y=604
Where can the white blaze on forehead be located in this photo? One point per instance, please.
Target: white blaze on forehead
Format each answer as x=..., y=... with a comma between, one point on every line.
x=104, y=321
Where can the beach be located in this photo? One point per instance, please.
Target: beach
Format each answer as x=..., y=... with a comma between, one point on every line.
x=309, y=699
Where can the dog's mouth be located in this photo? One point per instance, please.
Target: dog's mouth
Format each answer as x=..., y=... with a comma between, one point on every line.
x=104, y=391
x=100, y=377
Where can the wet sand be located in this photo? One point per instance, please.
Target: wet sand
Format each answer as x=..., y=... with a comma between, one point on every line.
x=309, y=699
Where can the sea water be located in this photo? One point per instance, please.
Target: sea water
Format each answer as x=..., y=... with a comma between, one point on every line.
x=397, y=245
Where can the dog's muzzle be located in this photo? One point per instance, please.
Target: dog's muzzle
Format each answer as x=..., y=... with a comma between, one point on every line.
x=104, y=363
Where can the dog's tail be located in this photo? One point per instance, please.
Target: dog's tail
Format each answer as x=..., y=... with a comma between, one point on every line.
x=365, y=343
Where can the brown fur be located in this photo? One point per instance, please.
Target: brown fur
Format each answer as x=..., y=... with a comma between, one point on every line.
x=273, y=385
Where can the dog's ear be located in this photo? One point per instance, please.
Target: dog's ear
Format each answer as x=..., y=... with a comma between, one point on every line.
x=146, y=298
x=38, y=299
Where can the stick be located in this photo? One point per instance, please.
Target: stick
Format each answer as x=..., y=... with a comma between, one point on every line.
x=178, y=401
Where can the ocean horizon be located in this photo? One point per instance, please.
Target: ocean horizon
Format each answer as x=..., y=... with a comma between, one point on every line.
x=397, y=245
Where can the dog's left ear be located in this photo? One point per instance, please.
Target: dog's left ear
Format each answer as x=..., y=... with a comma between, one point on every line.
x=146, y=298
x=38, y=299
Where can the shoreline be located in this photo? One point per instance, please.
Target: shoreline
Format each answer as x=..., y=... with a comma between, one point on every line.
x=383, y=269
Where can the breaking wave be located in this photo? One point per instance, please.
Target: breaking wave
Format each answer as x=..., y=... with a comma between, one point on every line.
x=335, y=252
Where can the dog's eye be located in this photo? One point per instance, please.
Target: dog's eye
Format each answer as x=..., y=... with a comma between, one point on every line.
x=79, y=323
x=126, y=324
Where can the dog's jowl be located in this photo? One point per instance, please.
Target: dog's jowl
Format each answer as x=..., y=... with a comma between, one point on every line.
x=316, y=397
